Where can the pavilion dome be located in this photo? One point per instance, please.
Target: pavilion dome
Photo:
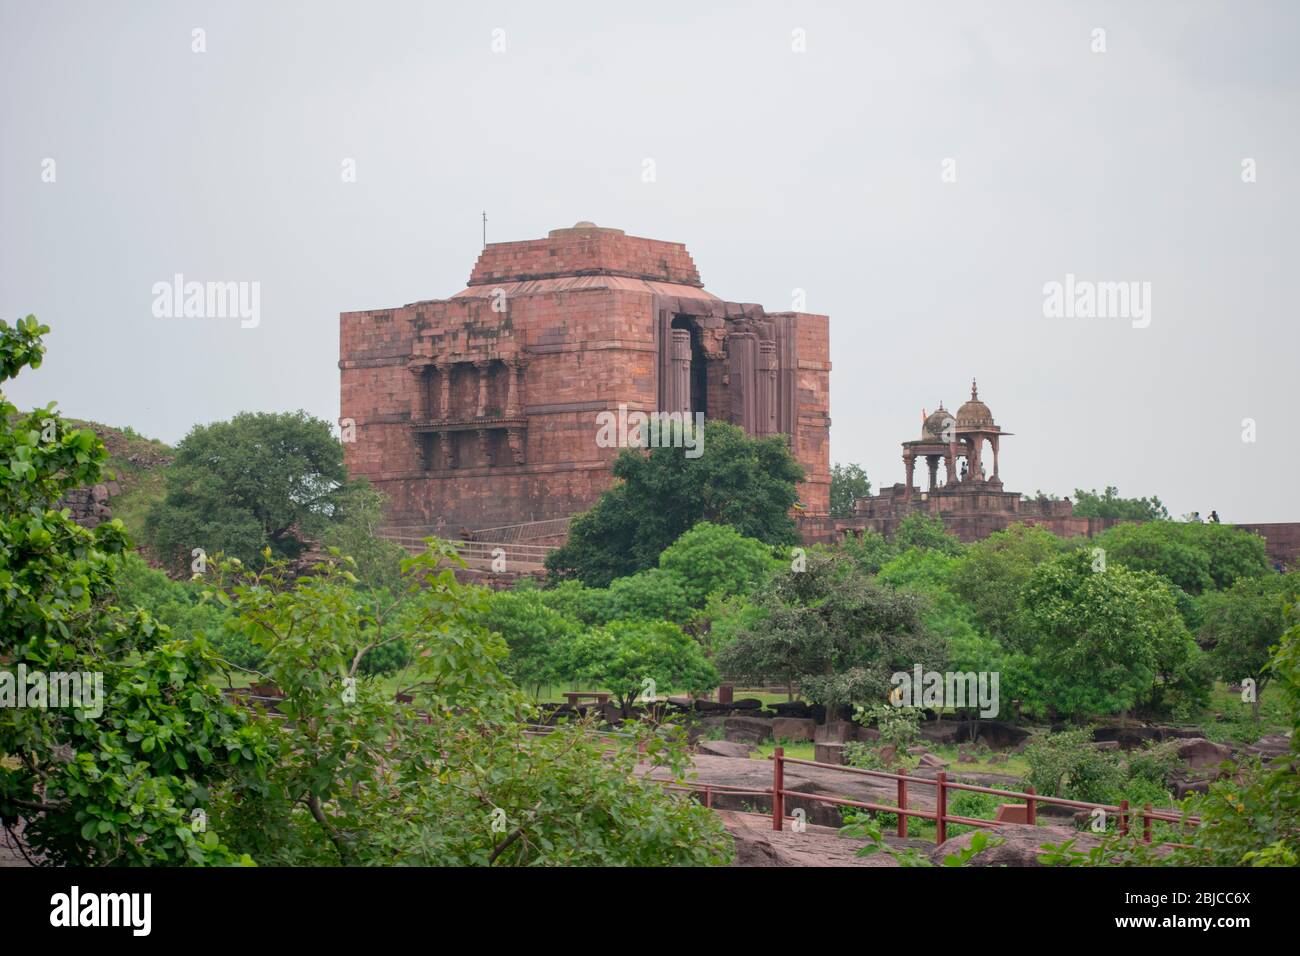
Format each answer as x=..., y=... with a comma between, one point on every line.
x=974, y=413
x=932, y=430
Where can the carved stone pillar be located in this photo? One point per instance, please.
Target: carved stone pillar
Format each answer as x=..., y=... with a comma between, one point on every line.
x=933, y=462
x=679, y=373
x=767, y=388
x=448, y=452
x=420, y=407
x=444, y=386
x=482, y=365
x=908, y=462
x=485, y=447
x=742, y=350
x=514, y=373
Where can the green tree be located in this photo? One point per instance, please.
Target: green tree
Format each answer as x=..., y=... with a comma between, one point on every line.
x=926, y=531
x=535, y=633
x=623, y=655
x=848, y=484
x=1102, y=635
x=717, y=559
x=747, y=483
x=1196, y=557
x=1241, y=626
x=869, y=550
x=1108, y=504
x=992, y=573
x=834, y=632
x=112, y=776
x=259, y=480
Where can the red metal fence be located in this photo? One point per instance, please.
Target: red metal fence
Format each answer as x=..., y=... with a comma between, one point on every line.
x=940, y=815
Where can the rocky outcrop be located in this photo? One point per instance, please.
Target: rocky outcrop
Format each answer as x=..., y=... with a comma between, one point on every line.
x=1021, y=845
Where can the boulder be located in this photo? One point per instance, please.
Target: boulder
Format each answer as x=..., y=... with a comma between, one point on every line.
x=838, y=732
x=930, y=762
x=725, y=748
x=791, y=708
x=940, y=731
x=992, y=733
x=1199, y=753
x=1021, y=845
x=747, y=703
x=866, y=734
x=1273, y=745
x=747, y=730
x=793, y=728
x=828, y=752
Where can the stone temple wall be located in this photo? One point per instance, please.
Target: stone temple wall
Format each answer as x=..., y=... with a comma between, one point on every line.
x=481, y=410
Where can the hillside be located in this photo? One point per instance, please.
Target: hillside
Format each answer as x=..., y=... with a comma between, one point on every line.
x=133, y=475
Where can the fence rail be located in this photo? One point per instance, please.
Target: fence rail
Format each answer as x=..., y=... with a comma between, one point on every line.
x=778, y=791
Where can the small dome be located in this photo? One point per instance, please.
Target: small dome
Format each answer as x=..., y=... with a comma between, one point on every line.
x=935, y=423
x=974, y=413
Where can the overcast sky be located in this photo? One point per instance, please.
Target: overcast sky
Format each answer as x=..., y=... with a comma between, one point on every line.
x=820, y=170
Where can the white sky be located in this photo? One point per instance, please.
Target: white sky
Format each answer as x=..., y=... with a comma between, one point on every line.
x=779, y=170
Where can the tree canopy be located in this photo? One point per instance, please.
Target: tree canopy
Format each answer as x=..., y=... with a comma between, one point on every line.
x=744, y=482
x=238, y=487
x=848, y=484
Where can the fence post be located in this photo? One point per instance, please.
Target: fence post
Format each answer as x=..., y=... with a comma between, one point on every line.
x=708, y=797
x=902, y=802
x=1146, y=824
x=1031, y=807
x=778, y=784
x=1123, y=818
x=941, y=808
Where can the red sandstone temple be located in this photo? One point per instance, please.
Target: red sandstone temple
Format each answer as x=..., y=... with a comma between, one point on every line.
x=479, y=411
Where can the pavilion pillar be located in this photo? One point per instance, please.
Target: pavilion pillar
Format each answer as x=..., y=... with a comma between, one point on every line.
x=908, y=462
x=933, y=462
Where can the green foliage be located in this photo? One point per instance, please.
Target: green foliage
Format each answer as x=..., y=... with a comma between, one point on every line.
x=354, y=528
x=833, y=631
x=926, y=531
x=870, y=551
x=623, y=656
x=1255, y=820
x=1067, y=765
x=848, y=484
x=1100, y=639
x=1196, y=557
x=993, y=572
x=1108, y=504
x=1241, y=625
x=238, y=487
x=651, y=595
x=747, y=483
x=451, y=779
x=111, y=779
x=717, y=559
x=536, y=634
x=576, y=601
